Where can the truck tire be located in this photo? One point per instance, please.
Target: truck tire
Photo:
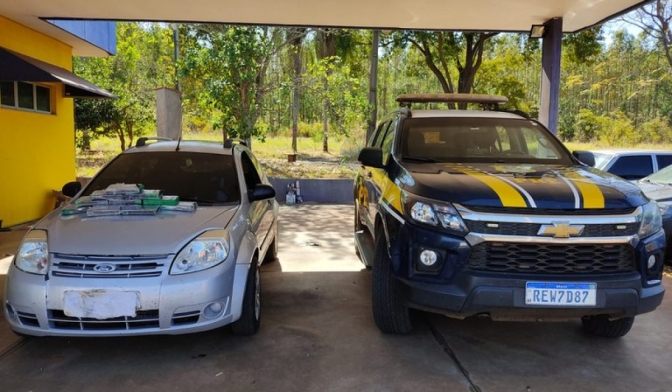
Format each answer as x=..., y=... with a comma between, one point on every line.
x=248, y=323
x=601, y=326
x=390, y=313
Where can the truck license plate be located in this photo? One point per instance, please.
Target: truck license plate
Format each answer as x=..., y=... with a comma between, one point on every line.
x=560, y=294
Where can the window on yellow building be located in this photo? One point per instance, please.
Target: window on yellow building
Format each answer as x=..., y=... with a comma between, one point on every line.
x=25, y=96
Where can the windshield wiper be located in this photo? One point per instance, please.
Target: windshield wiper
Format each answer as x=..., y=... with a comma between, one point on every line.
x=415, y=159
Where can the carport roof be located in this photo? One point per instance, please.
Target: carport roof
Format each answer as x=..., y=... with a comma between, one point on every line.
x=16, y=67
x=492, y=15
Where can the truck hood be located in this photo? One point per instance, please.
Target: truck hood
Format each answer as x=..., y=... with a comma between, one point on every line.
x=552, y=187
x=163, y=233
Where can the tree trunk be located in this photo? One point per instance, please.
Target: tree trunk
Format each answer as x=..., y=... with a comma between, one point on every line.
x=296, y=47
x=373, y=85
x=325, y=118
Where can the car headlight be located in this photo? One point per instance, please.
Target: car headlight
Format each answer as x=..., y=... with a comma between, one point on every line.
x=435, y=213
x=33, y=254
x=652, y=222
x=205, y=251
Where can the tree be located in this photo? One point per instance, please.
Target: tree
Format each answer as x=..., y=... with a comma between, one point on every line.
x=441, y=49
x=654, y=19
x=232, y=62
x=143, y=62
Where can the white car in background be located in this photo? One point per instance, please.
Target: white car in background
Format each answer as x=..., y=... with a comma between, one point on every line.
x=631, y=164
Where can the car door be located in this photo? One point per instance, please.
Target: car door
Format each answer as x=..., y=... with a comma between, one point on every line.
x=379, y=178
x=261, y=211
x=364, y=187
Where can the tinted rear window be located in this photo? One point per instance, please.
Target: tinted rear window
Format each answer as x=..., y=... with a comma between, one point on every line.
x=201, y=177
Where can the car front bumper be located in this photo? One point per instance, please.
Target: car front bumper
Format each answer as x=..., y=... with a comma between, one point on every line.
x=504, y=298
x=168, y=304
x=459, y=291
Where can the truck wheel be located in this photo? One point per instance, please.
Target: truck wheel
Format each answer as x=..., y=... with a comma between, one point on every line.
x=601, y=326
x=390, y=313
x=358, y=224
x=358, y=227
x=248, y=323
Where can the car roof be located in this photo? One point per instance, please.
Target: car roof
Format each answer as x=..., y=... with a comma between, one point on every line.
x=464, y=113
x=209, y=147
x=626, y=151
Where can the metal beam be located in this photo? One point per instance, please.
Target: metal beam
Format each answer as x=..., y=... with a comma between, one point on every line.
x=551, y=51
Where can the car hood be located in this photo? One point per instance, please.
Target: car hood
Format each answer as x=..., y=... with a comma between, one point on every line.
x=164, y=233
x=656, y=191
x=520, y=186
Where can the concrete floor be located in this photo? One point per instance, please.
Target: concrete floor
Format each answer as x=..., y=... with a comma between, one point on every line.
x=318, y=334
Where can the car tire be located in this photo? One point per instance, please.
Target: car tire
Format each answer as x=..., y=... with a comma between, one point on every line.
x=272, y=252
x=248, y=323
x=390, y=313
x=600, y=325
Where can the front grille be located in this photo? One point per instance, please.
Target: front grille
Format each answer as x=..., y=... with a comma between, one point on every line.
x=186, y=318
x=77, y=266
x=531, y=229
x=552, y=258
x=143, y=319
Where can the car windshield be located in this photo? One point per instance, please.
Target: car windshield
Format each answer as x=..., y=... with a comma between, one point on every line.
x=601, y=159
x=209, y=179
x=663, y=176
x=474, y=139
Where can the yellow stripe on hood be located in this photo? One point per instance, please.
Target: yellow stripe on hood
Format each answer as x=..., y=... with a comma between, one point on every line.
x=508, y=195
x=590, y=193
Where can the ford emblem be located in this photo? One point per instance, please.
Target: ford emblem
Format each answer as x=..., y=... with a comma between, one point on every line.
x=104, y=268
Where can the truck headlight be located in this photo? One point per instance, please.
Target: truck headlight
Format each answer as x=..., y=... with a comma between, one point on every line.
x=652, y=222
x=205, y=251
x=435, y=213
x=33, y=254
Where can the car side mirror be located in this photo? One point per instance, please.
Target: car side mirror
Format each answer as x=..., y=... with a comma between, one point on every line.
x=71, y=189
x=586, y=157
x=371, y=156
x=262, y=192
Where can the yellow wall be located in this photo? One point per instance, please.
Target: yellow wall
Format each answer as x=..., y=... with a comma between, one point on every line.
x=37, y=152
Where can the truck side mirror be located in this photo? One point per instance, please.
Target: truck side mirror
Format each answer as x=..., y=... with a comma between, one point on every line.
x=586, y=157
x=371, y=156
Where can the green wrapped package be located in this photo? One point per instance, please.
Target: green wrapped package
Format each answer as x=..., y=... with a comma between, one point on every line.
x=163, y=201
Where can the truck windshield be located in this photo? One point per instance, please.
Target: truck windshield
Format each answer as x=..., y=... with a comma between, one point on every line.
x=474, y=139
x=208, y=179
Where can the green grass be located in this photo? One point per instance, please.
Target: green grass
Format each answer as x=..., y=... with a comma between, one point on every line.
x=311, y=161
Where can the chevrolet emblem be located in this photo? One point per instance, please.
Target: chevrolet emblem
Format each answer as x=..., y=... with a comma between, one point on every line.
x=561, y=230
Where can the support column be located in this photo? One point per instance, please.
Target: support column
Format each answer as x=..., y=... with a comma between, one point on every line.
x=549, y=101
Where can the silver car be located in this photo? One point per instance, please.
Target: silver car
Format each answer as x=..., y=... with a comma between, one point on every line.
x=128, y=257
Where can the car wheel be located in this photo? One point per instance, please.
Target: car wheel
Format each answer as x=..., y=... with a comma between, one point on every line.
x=248, y=323
x=601, y=326
x=272, y=252
x=390, y=313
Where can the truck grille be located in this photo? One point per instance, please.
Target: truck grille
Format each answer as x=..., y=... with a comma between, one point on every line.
x=531, y=229
x=77, y=266
x=552, y=258
x=143, y=319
